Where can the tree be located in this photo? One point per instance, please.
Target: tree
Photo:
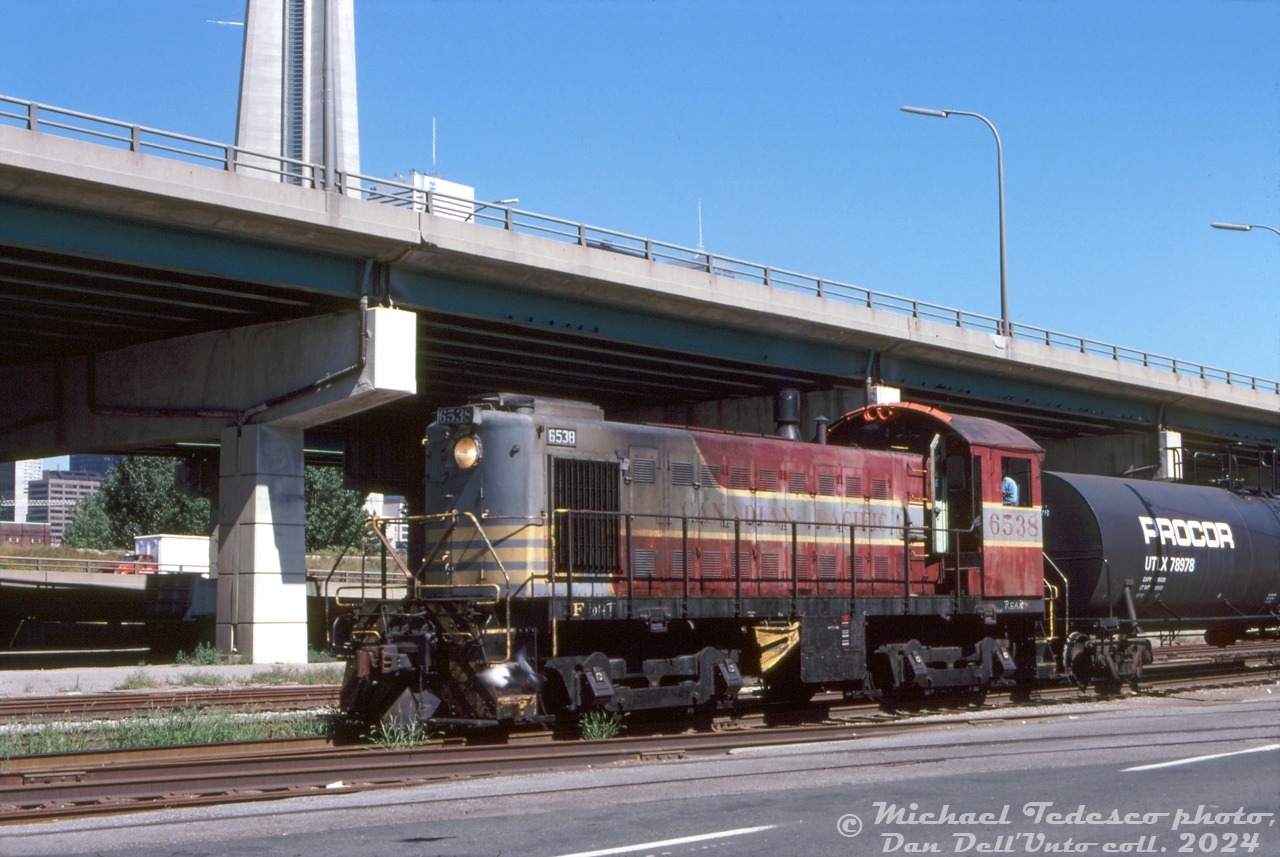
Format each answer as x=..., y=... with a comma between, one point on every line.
x=89, y=526
x=137, y=498
x=333, y=514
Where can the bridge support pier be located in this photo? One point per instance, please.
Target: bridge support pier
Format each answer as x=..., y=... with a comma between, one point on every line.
x=262, y=605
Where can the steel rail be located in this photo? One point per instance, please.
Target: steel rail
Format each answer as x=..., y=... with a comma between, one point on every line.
x=231, y=158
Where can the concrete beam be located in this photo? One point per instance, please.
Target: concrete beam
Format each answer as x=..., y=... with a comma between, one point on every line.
x=433, y=255
x=292, y=374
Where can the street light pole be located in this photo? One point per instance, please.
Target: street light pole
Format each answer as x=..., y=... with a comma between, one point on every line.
x=1243, y=227
x=1006, y=327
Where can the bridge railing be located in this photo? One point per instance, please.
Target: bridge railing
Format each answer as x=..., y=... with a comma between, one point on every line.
x=137, y=138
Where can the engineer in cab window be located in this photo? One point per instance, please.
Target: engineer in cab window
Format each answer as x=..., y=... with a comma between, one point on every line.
x=1013, y=487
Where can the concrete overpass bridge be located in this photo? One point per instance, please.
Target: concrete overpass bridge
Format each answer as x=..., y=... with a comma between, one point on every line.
x=157, y=293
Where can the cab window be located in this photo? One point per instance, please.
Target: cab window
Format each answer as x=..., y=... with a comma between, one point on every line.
x=1015, y=481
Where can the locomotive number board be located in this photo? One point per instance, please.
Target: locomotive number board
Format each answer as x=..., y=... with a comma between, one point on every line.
x=562, y=437
x=455, y=416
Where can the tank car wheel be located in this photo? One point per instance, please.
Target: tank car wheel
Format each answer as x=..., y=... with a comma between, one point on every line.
x=1138, y=656
x=1077, y=660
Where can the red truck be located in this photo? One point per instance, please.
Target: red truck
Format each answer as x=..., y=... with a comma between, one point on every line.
x=134, y=563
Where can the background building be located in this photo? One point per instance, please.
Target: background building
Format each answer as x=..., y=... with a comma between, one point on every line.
x=98, y=464
x=23, y=534
x=55, y=495
x=14, y=476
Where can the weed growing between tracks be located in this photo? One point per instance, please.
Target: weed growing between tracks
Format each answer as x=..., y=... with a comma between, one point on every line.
x=193, y=726
x=276, y=675
x=596, y=725
x=157, y=729
x=390, y=737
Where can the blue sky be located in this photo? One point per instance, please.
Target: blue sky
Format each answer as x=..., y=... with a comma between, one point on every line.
x=1127, y=127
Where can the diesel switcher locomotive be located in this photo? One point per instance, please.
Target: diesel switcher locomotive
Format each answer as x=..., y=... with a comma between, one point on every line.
x=572, y=563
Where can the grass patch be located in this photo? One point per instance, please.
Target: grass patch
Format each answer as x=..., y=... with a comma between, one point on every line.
x=202, y=680
x=158, y=729
x=138, y=681
x=44, y=738
x=596, y=725
x=391, y=737
x=208, y=726
x=295, y=675
x=204, y=655
x=317, y=656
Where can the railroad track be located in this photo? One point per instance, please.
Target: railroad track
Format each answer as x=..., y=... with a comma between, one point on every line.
x=108, y=781
x=96, y=706
x=111, y=781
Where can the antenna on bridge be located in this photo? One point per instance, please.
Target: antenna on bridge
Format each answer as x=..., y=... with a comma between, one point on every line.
x=699, y=223
x=434, y=170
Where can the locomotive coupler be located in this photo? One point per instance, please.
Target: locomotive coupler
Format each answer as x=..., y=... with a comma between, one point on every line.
x=1108, y=663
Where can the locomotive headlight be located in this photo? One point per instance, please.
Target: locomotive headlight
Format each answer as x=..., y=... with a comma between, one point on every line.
x=466, y=452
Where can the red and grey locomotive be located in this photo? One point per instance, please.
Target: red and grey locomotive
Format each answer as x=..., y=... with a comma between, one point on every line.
x=573, y=563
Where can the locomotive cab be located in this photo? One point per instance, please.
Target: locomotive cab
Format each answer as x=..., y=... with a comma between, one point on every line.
x=975, y=528
x=982, y=540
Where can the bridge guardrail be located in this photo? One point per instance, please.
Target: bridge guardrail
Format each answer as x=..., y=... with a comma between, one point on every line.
x=138, y=138
x=102, y=565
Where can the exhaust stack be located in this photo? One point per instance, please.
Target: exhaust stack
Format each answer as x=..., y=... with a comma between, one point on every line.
x=786, y=412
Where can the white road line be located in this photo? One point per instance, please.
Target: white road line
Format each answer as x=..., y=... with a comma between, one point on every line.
x=1200, y=758
x=684, y=840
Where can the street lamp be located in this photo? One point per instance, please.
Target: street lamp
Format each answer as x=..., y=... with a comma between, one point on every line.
x=1243, y=227
x=1006, y=328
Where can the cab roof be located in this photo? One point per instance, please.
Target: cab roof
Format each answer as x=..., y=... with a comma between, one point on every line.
x=913, y=425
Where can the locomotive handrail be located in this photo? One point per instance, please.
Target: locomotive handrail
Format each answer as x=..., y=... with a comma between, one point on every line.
x=1066, y=591
x=626, y=569
x=230, y=158
x=452, y=517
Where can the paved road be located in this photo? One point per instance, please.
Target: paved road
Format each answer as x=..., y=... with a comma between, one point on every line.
x=1079, y=782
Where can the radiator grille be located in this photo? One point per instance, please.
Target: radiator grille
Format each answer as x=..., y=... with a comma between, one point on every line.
x=769, y=566
x=827, y=567
x=586, y=486
x=712, y=564
x=796, y=482
x=681, y=473
x=880, y=567
x=740, y=477
x=826, y=484
x=711, y=474
x=853, y=486
x=767, y=480
x=879, y=489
